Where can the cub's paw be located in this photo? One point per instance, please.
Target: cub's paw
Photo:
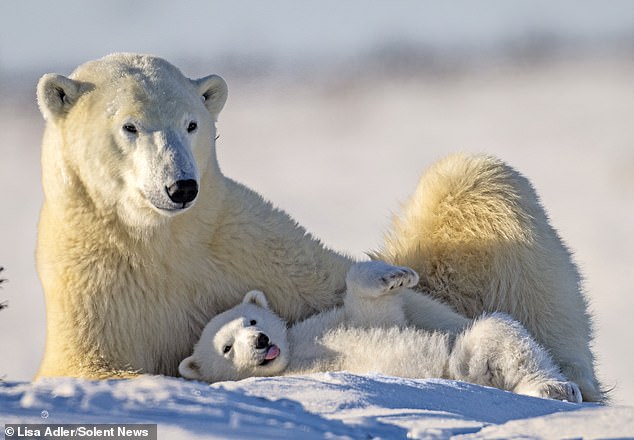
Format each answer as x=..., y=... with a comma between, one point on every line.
x=398, y=277
x=559, y=390
x=564, y=391
x=376, y=278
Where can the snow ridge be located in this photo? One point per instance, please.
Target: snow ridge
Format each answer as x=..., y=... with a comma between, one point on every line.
x=324, y=405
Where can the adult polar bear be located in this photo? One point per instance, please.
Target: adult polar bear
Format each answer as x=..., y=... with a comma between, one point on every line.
x=142, y=239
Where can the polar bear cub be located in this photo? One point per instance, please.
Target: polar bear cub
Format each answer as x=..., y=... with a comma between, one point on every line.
x=369, y=333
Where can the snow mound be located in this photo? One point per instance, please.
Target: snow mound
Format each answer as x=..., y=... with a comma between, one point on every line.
x=325, y=405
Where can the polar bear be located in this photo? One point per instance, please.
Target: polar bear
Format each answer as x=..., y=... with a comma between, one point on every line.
x=251, y=340
x=142, y=239
x=478, y=236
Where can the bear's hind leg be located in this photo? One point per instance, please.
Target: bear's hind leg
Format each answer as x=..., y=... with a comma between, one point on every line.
x=481, y=241
x=498, y=351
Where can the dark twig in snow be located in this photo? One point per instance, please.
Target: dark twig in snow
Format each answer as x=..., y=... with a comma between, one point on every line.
x=3, y=305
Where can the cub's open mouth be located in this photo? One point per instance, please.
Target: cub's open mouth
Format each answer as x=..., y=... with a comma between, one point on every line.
x=272, y=352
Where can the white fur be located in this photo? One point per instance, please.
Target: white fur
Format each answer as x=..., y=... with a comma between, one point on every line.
x=230, y=342
x=131, y=280
x=476, y=233
x=495, y=350
x=131, y=277
x=366, y=302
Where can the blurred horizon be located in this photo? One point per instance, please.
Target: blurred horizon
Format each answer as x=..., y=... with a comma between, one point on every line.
x=254, y=38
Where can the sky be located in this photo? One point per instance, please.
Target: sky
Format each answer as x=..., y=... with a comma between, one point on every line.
x=66, y=32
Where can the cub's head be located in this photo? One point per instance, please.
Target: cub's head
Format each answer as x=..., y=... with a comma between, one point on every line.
x=247, y=340
x=131, y=135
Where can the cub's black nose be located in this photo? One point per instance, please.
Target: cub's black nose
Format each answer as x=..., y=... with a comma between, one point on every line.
x=262, y=341
x=183, y=191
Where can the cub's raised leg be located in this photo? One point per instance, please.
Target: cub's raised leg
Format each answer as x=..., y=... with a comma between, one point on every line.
x=373, y=297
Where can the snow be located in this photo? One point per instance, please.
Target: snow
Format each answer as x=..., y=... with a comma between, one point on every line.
x=335, y=405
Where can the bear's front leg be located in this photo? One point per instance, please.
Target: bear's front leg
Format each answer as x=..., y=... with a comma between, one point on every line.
x=373, y=294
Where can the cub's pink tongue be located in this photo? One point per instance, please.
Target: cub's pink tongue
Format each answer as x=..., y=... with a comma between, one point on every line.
x=272, y=352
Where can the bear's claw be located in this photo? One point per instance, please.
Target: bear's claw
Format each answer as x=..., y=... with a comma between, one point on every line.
x=399, y=277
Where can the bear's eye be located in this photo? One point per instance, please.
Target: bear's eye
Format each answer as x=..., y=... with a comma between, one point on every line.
x=193, y=125
x=253, y=322
x=226, y=349
x=130, y=128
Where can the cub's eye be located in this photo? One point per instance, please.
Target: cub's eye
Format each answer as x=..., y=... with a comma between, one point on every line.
x=130, y=128
x=253, y=322
x=192, y=127
x=226, y=349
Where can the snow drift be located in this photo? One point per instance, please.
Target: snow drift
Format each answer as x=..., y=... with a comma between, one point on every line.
x=326, y=405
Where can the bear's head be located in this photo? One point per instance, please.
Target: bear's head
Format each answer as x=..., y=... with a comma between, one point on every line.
x=131, y=135
x=247, y=340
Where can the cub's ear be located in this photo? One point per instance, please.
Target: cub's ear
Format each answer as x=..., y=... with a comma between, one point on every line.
x=256, y=297
x=56, y=94
x=189, y=368
x=213, y=90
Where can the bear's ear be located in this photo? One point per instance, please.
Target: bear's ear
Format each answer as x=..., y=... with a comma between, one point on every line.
x=256, y=297
x=213, y=91
x=56, y=94
x=189, y=368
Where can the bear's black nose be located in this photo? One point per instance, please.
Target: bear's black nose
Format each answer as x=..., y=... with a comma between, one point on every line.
x=262, y=341
x=183, y=191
